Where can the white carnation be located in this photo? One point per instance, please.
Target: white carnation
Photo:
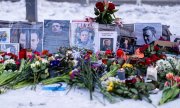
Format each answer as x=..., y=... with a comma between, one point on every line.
x=56, y=55
x=37, y=63
x=9, y=61
x=44, y=61
x=33, y=65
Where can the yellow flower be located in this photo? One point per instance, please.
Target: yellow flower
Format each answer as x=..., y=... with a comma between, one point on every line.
x=109, y=88
x=127, y=65
x=70, y=73
x=111, y=84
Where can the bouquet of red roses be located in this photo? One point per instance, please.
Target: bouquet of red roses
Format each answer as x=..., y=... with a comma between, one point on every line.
x=105, y=12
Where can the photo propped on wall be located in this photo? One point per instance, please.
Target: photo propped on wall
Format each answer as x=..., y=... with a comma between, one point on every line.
x=27, y=38
x=127, y=44
x=84, y=35
x=10, y=48
x=4, y=35
x=107, y=40
x=56, y=34
x=146, y=33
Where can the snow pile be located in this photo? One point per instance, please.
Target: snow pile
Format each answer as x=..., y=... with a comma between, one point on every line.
x=26, y=98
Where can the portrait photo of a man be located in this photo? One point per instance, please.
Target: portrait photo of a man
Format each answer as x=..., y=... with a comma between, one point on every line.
x=106, y=44
x=56, y=34
x=36, y=40
x=27, y=38
x=20, y=36
x=84, y=39
x=147, y=33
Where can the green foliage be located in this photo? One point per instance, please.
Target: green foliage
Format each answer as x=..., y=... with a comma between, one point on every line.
x=169, y=94
x=112, y=72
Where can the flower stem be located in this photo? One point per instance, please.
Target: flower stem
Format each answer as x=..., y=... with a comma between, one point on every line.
x=114, y=16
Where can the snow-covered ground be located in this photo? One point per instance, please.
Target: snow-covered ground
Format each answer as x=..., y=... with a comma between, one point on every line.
x=78, y=98
x=26, y=98
x=66, y=11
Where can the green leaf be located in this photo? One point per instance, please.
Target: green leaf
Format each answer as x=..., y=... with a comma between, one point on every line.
x=115, y=10
x=169, y=94
x=134, y=91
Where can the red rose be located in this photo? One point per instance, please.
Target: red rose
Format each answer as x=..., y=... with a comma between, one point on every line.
x=154, y=58
x=100, y=6
x=22, y=54
x=89, y=52
x=156, y=48
x=143, y=48
x=141, y=63
x=104, y=60
x=148, y=61
x=108, y=52
x=1, y=61
x=36, y=53
x=45, y=52
x=131, y=81
x=119, y=53
x=111, y=6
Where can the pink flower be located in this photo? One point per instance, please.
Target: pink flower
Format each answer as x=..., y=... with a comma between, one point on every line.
x=169, y=76
x=166, y=84
x=177, y=79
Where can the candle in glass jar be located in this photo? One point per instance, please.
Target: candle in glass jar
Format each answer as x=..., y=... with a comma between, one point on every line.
x=121, y=74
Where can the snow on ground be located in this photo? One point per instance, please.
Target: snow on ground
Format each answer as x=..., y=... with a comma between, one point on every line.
x=66, y=11
x=26, y=98
x=78, y=98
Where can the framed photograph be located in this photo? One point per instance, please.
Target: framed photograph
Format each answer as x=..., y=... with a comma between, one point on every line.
x=4, y=35
x=107, y=40
x=27, y=38
x=10, y=48
x=106, y=43
x=20, y=36
x=147, y=33
x=177, y=40
x=84, y=35
x=127, y=44
x=35, y=39
x=56, y=34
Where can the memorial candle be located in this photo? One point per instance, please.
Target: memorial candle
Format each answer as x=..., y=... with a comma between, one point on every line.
x=121, y=74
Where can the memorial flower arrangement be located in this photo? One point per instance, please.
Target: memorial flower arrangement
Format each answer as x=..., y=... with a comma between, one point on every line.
x=105, y=12
x=112, y=73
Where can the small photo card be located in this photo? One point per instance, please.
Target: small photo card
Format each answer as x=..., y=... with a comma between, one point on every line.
x=10, y=48
x=107, y=40
x=4, y=35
